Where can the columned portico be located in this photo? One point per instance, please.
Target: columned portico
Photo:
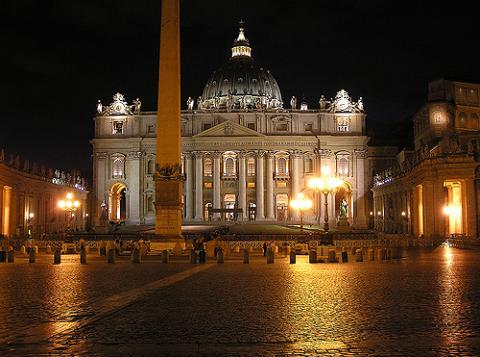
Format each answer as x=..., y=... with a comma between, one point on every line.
x=242, y=184
x=260, y=212
x=198, y=186
x=269, y=179
x=188, y=186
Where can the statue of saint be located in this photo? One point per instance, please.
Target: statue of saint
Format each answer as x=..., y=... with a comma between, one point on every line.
x=343, y=208
x=190, y=103
x=199, y=103
x=322, y=102
x=99, y=107
x=104, y=214
x=360, y=104
x=138, y=104
x=293, y=102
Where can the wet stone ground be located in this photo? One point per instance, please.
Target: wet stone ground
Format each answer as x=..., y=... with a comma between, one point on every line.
x=426, y=304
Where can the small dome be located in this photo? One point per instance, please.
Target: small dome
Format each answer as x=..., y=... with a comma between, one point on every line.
x=241, y=82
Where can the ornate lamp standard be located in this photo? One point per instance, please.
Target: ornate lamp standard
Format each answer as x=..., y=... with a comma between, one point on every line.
x=325, y=185
x=301, y=204
x=69, y=205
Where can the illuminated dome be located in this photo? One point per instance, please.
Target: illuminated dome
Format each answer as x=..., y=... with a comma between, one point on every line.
x=241, y=83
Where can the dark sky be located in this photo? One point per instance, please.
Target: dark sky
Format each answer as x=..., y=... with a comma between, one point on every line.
x=58, y=57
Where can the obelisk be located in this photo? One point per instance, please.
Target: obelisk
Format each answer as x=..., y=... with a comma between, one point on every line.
x=168, y=177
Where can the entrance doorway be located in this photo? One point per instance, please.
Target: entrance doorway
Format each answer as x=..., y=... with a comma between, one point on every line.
x=282, y=207
x=118, y=202
x=343, y=197
x=229, y=202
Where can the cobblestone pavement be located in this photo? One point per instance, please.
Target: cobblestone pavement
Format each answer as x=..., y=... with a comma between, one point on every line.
x=427, y=304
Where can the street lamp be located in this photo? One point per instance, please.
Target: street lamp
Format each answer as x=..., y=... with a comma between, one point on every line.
x=325, y=185
x=301, y=204
x=69, y=205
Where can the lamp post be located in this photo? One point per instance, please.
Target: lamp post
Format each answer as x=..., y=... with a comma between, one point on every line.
x=325, y=185
x=301, y=204
x=29, y=225
x=69, y=205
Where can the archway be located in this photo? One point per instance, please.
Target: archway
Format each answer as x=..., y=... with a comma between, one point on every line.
x=118, y=202
x=282, y=207
x=344, y=194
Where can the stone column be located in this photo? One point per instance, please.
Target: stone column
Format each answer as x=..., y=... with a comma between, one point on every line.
x=188, y=186
x=269, y=178
x=260, y=209
x=133, y=174
x=199, y=186
x=100, y=177
x=242, y=184
x=360, y=218
x=217, y=183
x=168, y=178
x=469, y=208
x=295, y=177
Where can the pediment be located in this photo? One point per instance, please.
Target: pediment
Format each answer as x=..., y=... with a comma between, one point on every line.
x=228, y=129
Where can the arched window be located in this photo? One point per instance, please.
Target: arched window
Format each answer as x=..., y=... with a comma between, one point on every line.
x=462, y=120
x=207, y=167
x=342, y=166
x=117, y=167
x=308, y=165
x=282, y=166
x=251, y=166
x=151, y=166
x=474, y=121
x=229, y=166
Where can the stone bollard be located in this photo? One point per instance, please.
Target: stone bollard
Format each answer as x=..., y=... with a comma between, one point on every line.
x=57, y=256
x=23, y=250
x=193, y=257
x=31, y=257
x=11, y=256
x=293, y=257
x=220, y=256
x=48, y=250
x=359, y=255
x=371, y=255
x=246, y=257
x=136, y=256
x=83, y=256
x=270, y=256
x=344, y=257
x=164, y=256
x=111, y=256
x=288, y=250
x=332, y=256
x=202, y=256
x=312, y=256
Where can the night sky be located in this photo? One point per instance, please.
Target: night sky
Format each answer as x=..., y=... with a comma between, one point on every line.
x=59, y=57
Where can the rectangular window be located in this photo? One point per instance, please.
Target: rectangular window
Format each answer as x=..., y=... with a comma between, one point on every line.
x=281, y=184
x=252, y=126
x=208, y=185
x=251, y=184
x=281, y=127
x=308, y=127
x=342, y=127
x=251, y=166
x=206, y=126
x=118, y=127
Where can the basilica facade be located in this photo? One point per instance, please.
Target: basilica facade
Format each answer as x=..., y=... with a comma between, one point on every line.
x=244, y=154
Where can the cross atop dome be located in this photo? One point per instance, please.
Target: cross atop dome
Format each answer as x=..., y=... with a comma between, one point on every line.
x=241, y=46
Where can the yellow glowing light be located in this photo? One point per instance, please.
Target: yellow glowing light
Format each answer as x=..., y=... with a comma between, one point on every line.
x=76, y=204
x=301, y=203
x=69, y=204
x=31, y=215
x=61, y=204
x=379, y=213
x=371, y=213
x=404, y=213
x=447, y=210
x=69, y=196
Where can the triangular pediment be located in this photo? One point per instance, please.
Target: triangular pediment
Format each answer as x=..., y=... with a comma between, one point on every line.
x=228, y=129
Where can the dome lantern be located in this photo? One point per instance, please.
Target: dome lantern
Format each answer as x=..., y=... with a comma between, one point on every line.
x=241, y=46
